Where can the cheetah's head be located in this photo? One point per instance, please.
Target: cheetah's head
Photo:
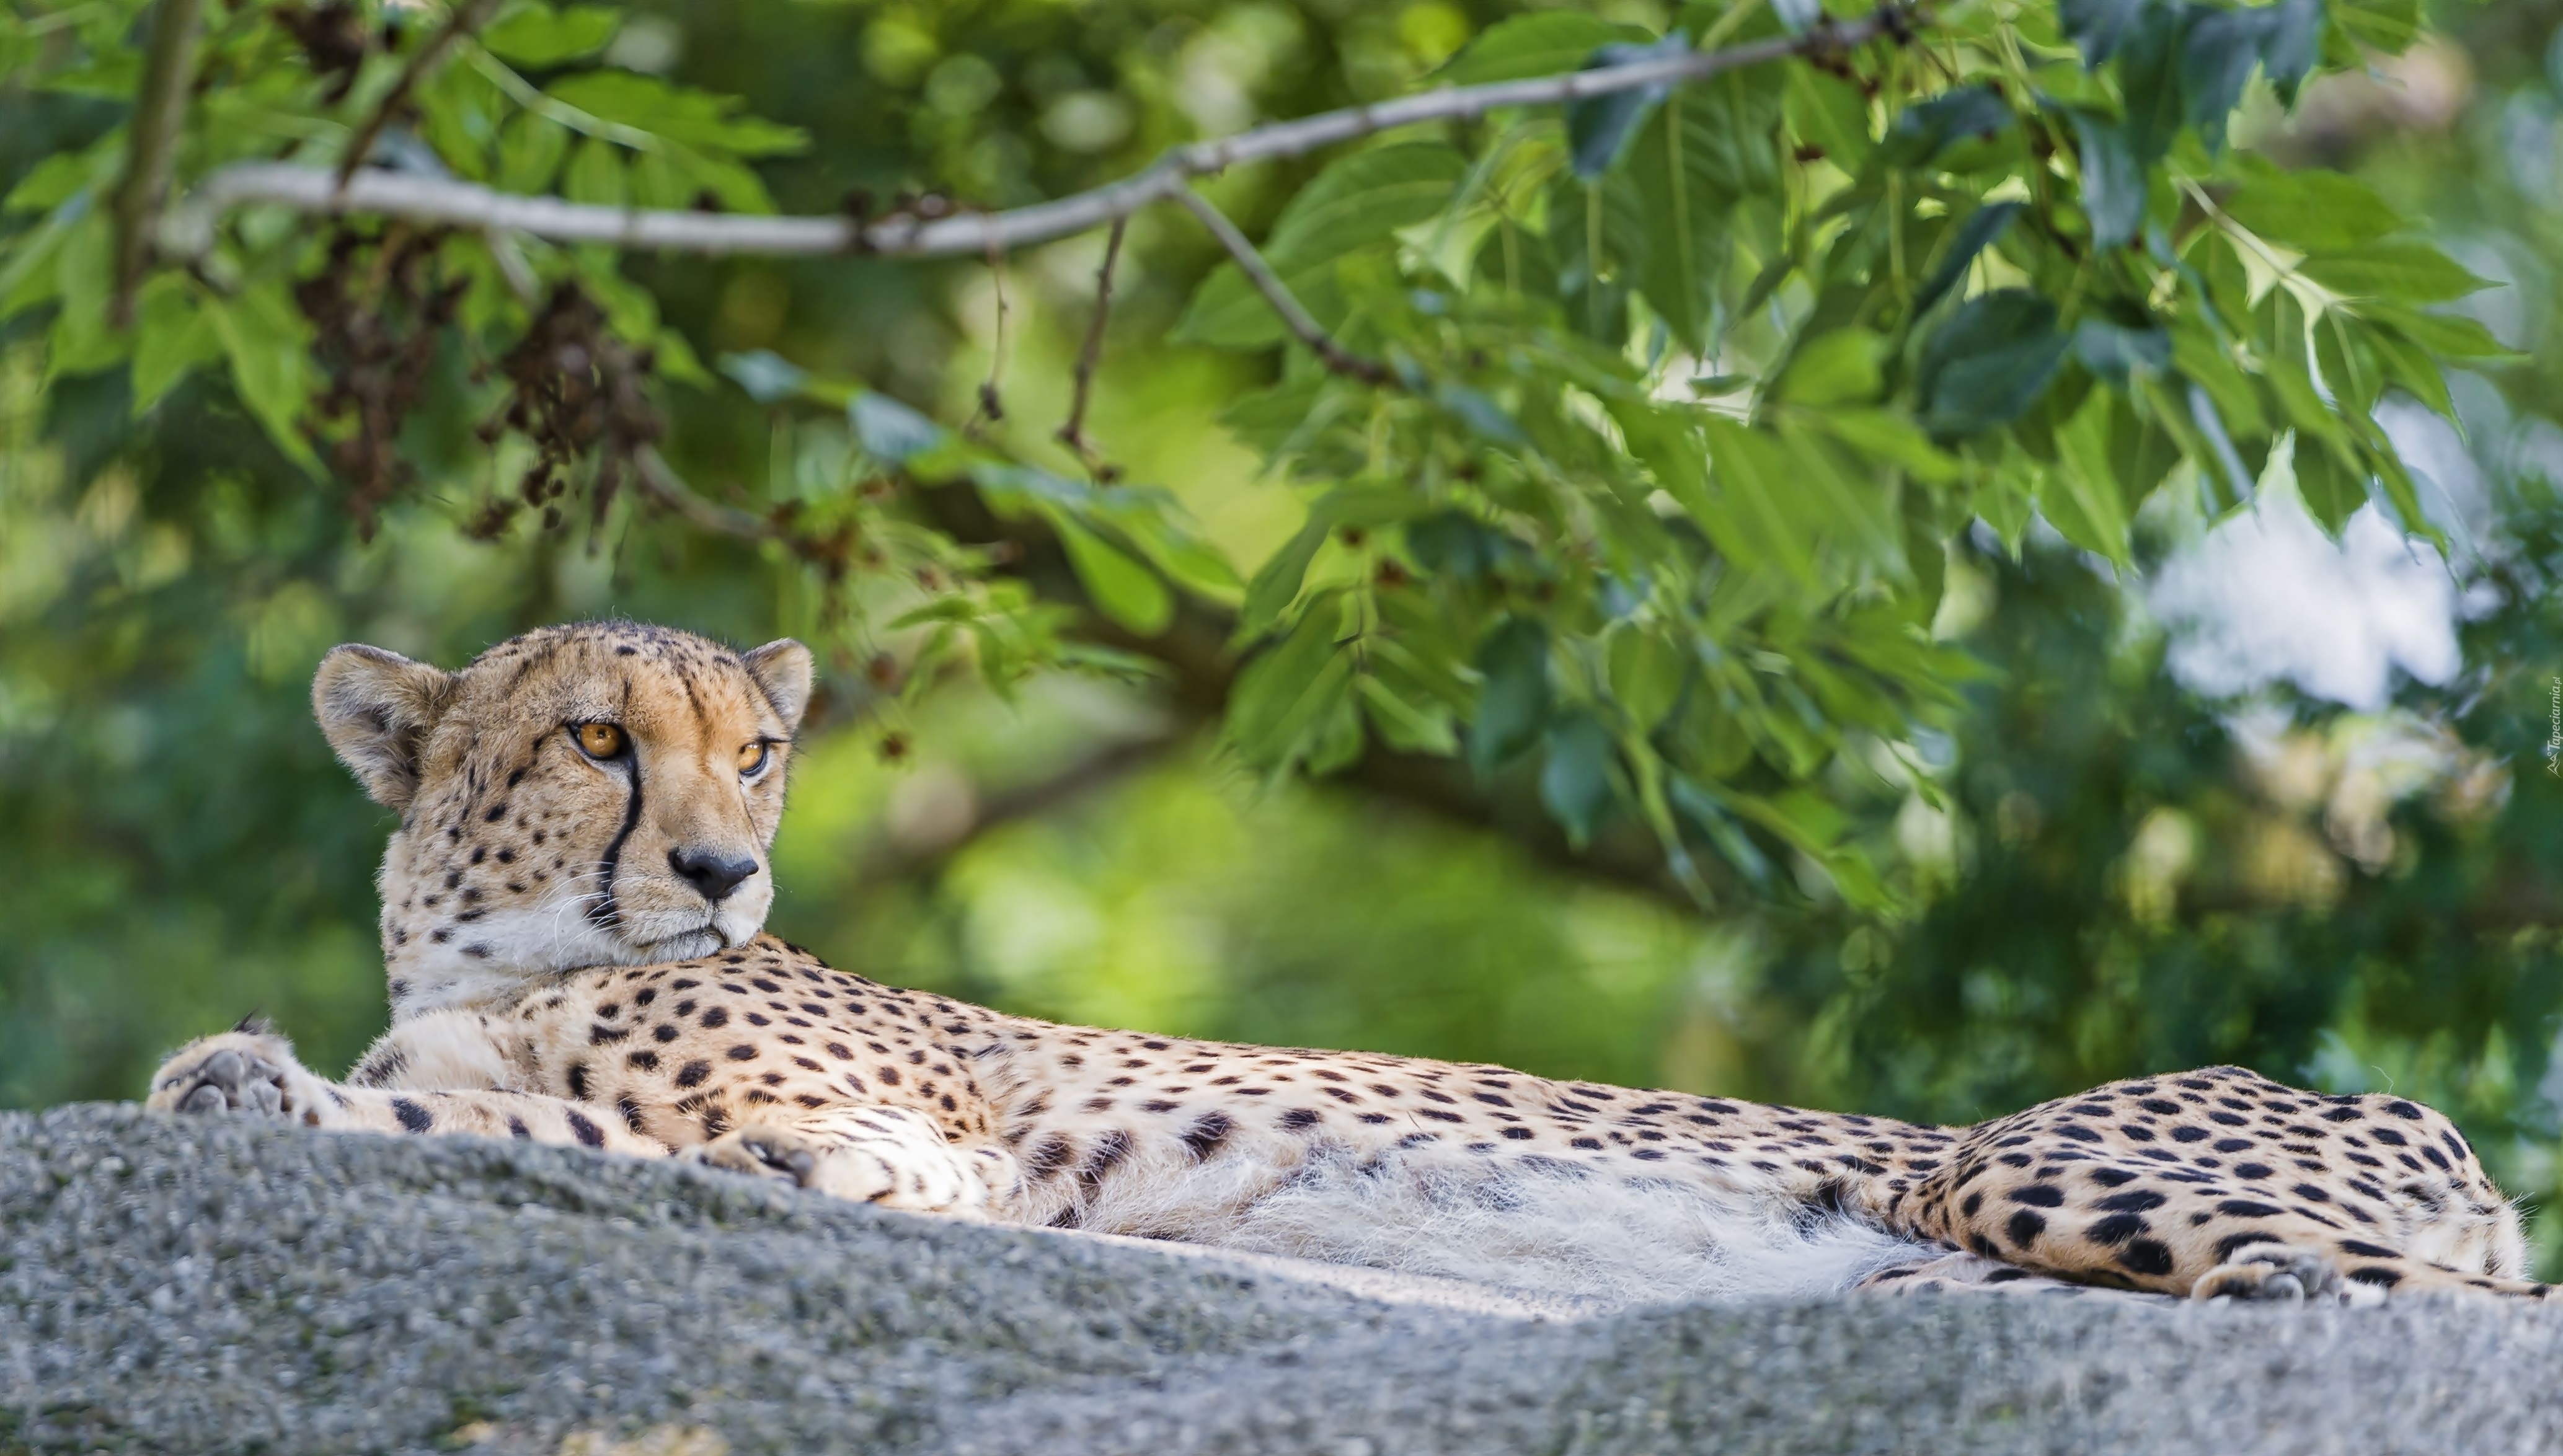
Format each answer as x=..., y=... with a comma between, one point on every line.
x=598, y=793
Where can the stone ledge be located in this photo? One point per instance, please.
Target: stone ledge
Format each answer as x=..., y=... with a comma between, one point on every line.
x=217, y=1284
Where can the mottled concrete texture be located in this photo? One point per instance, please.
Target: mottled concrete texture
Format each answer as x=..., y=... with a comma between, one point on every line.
x=221, y=1285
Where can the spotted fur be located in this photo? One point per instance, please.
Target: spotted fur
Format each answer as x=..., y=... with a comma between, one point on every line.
x=558, y=975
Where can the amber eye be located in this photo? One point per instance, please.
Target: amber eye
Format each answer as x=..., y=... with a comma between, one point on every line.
x=600, y=740
x=751, y=759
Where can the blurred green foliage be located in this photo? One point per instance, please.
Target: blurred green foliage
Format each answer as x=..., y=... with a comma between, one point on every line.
x=2084, y=869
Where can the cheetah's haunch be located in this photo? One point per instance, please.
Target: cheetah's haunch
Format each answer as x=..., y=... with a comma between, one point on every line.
x=571, y=916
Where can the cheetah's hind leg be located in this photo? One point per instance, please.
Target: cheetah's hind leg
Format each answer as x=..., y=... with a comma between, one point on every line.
x=246, y=1069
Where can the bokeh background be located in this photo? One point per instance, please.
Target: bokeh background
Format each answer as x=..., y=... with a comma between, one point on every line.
x=2274, y=799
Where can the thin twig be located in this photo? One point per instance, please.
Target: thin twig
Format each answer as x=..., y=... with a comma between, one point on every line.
x=660, y=481
x=465, y=19
x=1278, y=293
x=992, y=405
x=1090, y=356
x=441, y=200
x=159, y=112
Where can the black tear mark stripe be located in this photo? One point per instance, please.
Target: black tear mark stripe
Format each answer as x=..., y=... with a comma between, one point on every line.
x=602, y=911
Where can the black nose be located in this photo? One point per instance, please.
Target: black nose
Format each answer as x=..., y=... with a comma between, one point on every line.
x=711, y=871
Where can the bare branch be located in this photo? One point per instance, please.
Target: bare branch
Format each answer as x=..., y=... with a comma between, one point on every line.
x=1278, y=293
x=663, y=486
x=159, y=110
x=461, y=204
x=464, y=20
x=1091, y=355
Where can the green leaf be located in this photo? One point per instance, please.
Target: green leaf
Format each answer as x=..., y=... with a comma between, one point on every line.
x=1277, y=585
x=2149, y=78
x=262, y=337
x=1829, y=111
x=1890, y=438
x=1122, y=589
x=1512, y=705
x=2216, y=58
x=2112, y=350
x=2331, y=487
x=170, y=336
x=596, y=175
x=2389, y=25
x=2096, y=27
x=1923, y=132
x=2083, y=497
x=2115, y=182
x=1645, y=674
x=1746, y=509
x=1288, y=689
x=55, y=180
x=1575, y=780
x=2448, y=335
x=2311, y=211
x=1364, y=199
x=1837, y=368
x=2400, y=272
x=698, y=119
x=539, y=36
x=891, y=431
x=1526, y=47
x=1598, y=128
x=1974, y=236
x=1989, y=363
x=530, y=149
x=1404, y=725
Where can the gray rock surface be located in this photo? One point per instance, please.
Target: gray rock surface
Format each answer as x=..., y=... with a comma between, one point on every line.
x=211, y=1284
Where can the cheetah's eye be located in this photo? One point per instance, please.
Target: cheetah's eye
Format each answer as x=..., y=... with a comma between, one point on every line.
x=599, y=740
x=751, y=759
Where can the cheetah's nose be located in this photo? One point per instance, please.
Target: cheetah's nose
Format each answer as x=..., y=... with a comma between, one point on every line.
x=711, y=871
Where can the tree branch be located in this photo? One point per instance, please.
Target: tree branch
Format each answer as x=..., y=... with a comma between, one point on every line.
x=1091, y=355
x=159, y=110
x=1278, y=293
x=425, y=199
x=464, y=20
x=661, y=484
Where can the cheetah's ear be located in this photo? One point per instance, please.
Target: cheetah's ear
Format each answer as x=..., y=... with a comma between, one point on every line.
x=782, y=668
x=375, y=708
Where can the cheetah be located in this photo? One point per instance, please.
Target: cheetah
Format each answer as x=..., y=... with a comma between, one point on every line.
x=572, y=927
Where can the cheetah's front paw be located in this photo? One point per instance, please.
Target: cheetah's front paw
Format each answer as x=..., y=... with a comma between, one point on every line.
x=239, y=1071
x=2273, y=1271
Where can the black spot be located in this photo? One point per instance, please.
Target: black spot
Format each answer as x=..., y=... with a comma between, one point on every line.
x=2230, y=1244
x=2250, y=1170
x=2156, y=1104
x=579, y=1081
x=742, y=1052
x=664, y=1032
x=2344, y=1114
x=1109, y=1149
x=2400, y=1110
x=2039, y=1195
x=516, y=1127
x=413, y=1118
x=2359, y=1250
x=2118, y=1228
x=2227, y=1119
x=646, y=1060
x=1202, y=1138
x=2382, y=1278
x=2187, y=1134
x=2006, y=1276
x=1590, y=1145
x=2111, y=1178
x=1973, y=1201
x=2234, y=1144
x=2135, y=1200
x=693, y=1073
x=2247, y=1208
x=1516, y=1134
x=2025, y=1227
x=2136, y=1132
x=1299, y=1118
x=2076, y=1134
x=585, y=1131
x=716, y=1017
x=2146, y=1256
